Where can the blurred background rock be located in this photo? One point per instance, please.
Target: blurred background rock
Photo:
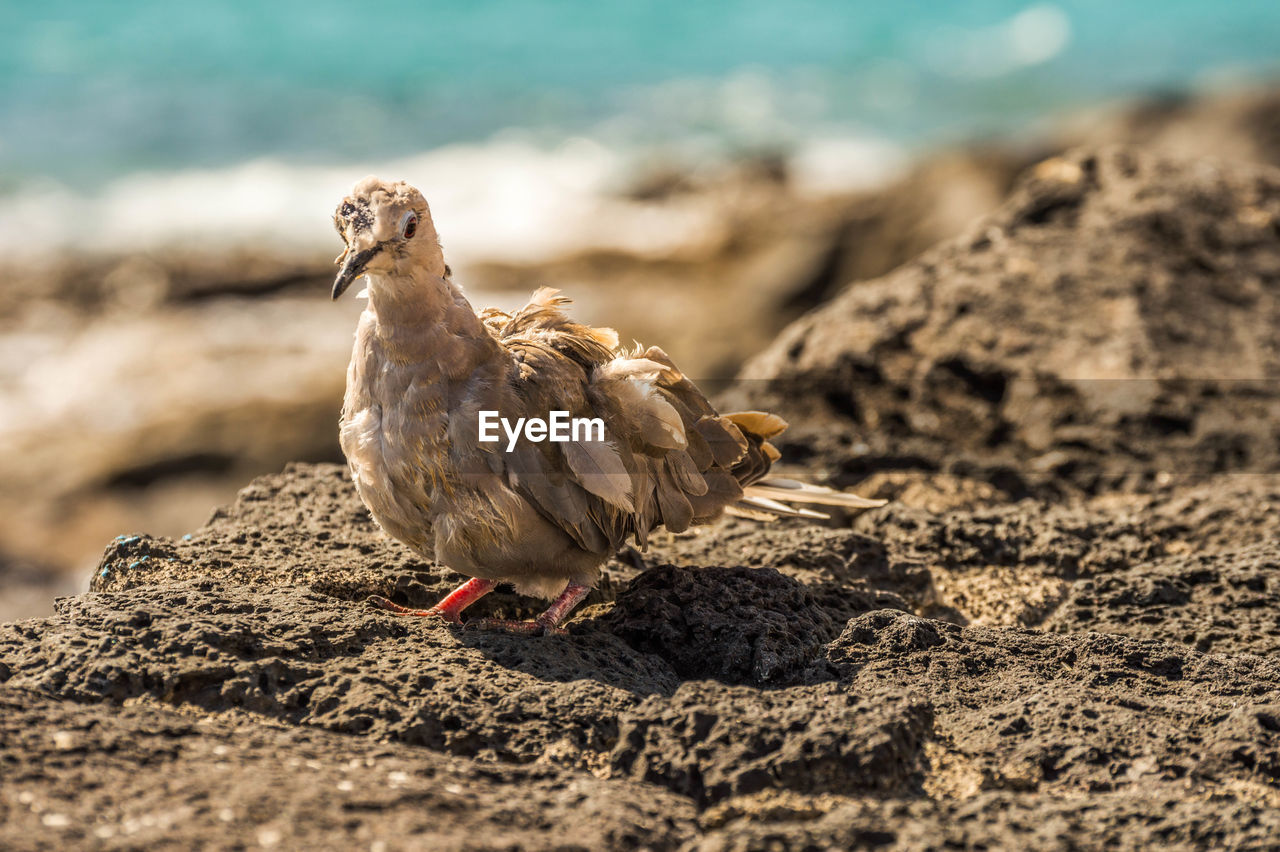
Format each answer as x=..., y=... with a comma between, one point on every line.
x=167, y=174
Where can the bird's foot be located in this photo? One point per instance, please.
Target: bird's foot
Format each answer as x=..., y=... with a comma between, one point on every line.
x=519, y=628
x=450, y=609
x=546, y=624
x=391, y=606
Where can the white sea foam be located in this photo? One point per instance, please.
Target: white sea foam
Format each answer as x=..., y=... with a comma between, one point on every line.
x=506, y=200
x=833, y=165
x=1035, y=35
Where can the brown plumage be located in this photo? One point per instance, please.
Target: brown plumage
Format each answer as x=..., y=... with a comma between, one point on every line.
x=543, y=515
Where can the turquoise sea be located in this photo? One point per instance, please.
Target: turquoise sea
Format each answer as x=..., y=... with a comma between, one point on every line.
x=90, y=90
x=136, y=105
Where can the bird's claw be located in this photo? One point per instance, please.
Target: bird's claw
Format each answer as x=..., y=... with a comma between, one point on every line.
x=391, y=606
x=519, y=628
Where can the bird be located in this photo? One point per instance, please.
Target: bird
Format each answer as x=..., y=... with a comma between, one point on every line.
x=543, y=515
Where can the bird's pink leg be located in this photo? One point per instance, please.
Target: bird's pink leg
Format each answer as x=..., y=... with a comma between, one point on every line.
x=450, y=609
x=547, y=623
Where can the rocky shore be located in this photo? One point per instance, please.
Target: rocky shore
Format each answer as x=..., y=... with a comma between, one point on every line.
x=1062, y=633
x=138, y=389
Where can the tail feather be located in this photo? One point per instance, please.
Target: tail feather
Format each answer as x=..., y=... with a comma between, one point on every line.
x=774, y=495
x=760, y=423
x=742, y=510
x=754, y=501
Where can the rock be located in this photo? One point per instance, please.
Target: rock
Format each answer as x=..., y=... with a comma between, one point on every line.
x=1227, y=601
x=78, y=777
x=242, y=664
x=304, y=658
x=1240, y=125
x=1163, y=817
x=1113, y=320
x=736, y=625
x=1008, y=565
x=843, y=572
x=1031, y=711
x=810, y=740
x=1061, y=634
x=141, y=420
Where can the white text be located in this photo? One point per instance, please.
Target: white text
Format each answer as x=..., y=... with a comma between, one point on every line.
x=559, y=426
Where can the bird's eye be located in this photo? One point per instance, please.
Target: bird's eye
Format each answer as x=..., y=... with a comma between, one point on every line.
x=408, y=224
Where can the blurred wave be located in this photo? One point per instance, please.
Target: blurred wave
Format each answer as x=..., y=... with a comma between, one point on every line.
x=90, y=91
x=116, y=115
x=507, y=200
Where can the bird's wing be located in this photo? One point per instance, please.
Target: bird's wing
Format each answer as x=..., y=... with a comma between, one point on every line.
x=666, y=458
x=697, y=460
x=581, y=486
x=544, y=320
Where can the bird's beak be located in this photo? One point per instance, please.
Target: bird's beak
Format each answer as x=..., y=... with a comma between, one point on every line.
x=353, y=268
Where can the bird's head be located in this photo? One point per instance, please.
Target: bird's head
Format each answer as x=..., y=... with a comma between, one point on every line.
x=388, y=231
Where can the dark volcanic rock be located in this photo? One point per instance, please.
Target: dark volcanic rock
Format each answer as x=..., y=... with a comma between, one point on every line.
x=820, y=739
x=846, y=573
x=304, y=527
x=303, y=658
x=1113, y=320
x=149, y=777
x=1028, y=710
x=737, y=625
x=1163, y=817
x=1012, y=564
x=244, y=660
x=1226, y=601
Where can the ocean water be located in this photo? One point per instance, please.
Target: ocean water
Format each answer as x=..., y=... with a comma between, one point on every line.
x=126, y=108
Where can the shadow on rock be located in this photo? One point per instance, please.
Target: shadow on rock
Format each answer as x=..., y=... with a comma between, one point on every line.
x=736, y=625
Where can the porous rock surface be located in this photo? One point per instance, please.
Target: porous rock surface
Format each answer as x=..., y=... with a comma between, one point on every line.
x=1114, y=320
x=1012, y=654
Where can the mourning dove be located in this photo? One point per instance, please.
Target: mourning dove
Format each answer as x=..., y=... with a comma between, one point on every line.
x=428, y=372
